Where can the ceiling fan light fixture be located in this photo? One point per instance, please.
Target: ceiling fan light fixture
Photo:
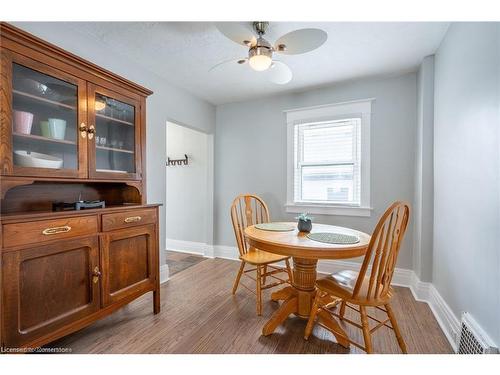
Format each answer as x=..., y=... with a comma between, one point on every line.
x=260, y=62
x=260, y=57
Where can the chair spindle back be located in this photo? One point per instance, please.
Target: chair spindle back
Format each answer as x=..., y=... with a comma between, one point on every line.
x=383, y=249
x=246, y=210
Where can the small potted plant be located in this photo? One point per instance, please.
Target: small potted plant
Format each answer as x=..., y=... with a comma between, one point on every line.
x=304, y=223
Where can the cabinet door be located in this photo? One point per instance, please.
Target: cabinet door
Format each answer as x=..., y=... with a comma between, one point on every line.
x=129, y=260
x=114, y=140
x=48, y=287
x=43, y=110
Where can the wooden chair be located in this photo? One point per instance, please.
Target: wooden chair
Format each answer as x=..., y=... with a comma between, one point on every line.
x=248, y=210
x=367, y=288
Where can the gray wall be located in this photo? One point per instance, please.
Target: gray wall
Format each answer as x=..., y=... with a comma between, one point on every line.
x=167, y=102
x=423, y=208
x=466, y=261
x=250, y=151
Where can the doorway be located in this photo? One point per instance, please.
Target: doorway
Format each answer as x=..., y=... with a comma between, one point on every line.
x=189, y=190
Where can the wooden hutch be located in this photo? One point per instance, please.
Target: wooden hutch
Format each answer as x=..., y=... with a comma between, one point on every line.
x=70, y=132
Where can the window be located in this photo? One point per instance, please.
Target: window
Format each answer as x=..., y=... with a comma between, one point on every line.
x=328, y=159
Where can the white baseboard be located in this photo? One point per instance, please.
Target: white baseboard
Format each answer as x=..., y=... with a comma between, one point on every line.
x=422, y=291
x=447, y=320
x=426, y=292
x=226, y=252
x=190, y=247
x=164, y=273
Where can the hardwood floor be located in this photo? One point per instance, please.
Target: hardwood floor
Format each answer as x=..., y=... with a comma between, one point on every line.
x=178, y=262
x=199, y=315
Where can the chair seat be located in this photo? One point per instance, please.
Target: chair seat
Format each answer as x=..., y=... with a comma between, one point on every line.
x=256, y=256
x=341, y=284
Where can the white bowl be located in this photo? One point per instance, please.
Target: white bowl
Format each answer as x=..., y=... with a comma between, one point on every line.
x=34, y=159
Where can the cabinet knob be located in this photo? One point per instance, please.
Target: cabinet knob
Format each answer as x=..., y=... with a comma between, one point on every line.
x=83, y=130
x=95, y=275
x=91, y=131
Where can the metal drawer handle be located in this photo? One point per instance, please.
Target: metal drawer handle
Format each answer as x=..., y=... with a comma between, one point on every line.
x=56, y=230
x=133, y=219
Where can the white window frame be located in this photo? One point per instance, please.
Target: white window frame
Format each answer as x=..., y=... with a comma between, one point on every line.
x=353, y=109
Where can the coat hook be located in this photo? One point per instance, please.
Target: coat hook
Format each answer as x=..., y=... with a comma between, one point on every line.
x=173, y=162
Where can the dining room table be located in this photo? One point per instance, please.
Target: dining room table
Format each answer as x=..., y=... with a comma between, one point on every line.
x=298, y=297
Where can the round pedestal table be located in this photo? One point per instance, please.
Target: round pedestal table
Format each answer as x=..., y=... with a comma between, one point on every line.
x=298, y=297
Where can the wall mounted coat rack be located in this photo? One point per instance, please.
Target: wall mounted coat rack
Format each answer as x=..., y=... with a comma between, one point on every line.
x=172, y=162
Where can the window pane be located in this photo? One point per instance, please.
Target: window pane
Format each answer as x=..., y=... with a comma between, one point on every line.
x=115, y=135
x=328, y=142
x=45, y=117
x=335, y=183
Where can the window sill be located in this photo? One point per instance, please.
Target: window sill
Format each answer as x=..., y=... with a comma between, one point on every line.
x=324, y=209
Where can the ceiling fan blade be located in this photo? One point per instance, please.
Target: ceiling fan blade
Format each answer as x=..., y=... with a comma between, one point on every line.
x=229, y=63
x=279, y=73
x=300, y=41
x=239, y=32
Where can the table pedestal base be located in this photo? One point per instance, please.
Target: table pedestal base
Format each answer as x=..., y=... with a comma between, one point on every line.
x=298, y=300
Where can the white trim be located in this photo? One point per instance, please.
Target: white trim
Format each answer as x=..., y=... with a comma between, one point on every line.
x=209, y=236
x=209, y=251
x=447, y=320
x=426, y=292
x=328, y=209
x=359, y=107
x=226, y=252
x=164, y=273
x=328, y=105
x=422, y=291
x=190, y=247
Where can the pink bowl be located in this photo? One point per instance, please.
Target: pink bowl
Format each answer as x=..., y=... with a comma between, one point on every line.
x=23, y=122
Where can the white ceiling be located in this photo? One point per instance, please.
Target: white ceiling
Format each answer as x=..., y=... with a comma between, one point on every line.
x=183, y=53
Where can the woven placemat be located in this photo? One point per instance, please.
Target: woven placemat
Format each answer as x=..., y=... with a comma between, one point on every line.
x=334, y=238
x=275, y=227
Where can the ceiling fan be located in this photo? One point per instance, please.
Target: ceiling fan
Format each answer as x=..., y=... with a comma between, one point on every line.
x=260, y=50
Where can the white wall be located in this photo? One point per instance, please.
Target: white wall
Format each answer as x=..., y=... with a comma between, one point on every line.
x=466, y=255
x=187, y=185
x=423, y=207
x=250, y=151
x=167, y=102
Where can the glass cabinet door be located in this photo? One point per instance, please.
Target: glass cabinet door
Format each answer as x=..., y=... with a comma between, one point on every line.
x=114, y=137
x=46, y=115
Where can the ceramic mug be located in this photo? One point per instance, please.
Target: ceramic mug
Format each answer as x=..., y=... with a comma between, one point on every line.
x=57, y=128
x=44, y=128
x=23, y=122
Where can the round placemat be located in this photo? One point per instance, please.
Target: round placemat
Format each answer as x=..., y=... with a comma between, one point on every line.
x=334, y=238
x=275, y=227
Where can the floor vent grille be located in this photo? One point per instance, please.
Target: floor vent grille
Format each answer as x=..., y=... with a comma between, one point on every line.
x=472, y=339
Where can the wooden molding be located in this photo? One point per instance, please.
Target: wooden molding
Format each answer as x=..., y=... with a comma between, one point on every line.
x=11, y=182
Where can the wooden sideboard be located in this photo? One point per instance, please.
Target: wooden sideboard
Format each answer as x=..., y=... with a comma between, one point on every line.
x=69, y=131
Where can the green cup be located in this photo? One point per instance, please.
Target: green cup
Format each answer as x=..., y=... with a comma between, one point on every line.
x=44, y=127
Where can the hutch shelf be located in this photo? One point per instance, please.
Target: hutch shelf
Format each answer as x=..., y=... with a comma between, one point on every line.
x=69, y=131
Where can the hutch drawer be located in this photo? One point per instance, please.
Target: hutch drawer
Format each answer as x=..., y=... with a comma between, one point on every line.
x=132, y=218
x=31, y=232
